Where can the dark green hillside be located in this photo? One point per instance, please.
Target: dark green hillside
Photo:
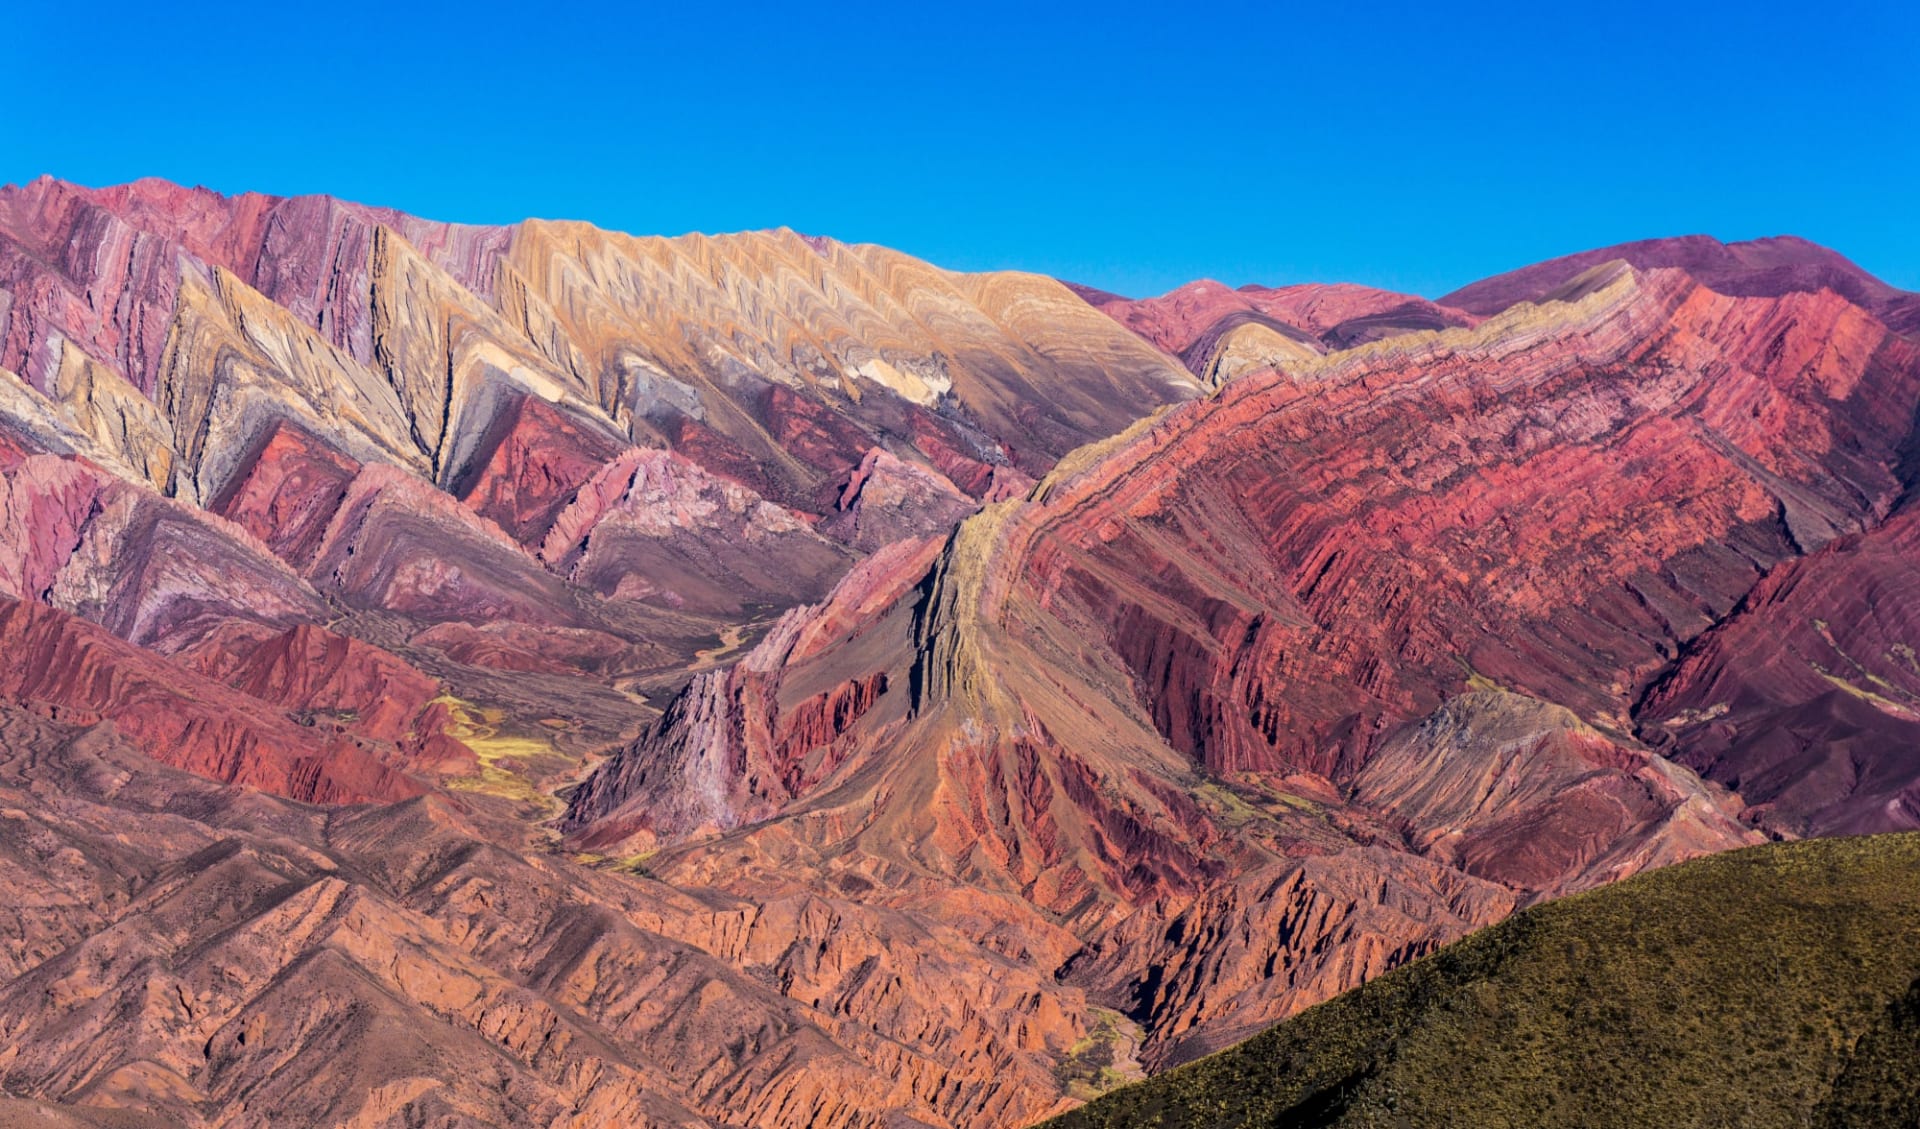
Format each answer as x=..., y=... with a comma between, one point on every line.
x=1766, y=987
x=1880, y=1086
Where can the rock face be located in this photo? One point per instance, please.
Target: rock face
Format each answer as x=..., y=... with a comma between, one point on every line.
x=782, y=360
x=338, y=504
x=71, y=669
x=761, y=681
x=654, y=527
x=1404, y=599
x=174, y=327
x=445, y=441
x=1808, y=699
x=888, y=500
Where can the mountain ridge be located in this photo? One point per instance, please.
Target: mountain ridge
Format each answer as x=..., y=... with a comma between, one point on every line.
x=611, y=612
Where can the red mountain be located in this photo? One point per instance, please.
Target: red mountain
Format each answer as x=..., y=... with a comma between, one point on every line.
x=1320, y=613
x=537, y=675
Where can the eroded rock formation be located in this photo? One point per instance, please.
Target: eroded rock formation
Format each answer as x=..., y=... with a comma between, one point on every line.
x=761, y=681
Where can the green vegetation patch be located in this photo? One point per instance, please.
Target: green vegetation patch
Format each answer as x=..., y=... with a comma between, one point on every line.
x=1103, y=1059
x=1729, y=991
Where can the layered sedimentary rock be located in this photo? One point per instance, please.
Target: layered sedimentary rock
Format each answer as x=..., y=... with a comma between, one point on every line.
x=1758, y=268
x=76, y=671
x=783, y=359
x=1522, y=793
x=1807, y=700
x=175, y=326
x=657, y=528
x=334, y=503
x=1405, y=598
x=960, y=767
x=428, y=432
x=1219, y=333
x=888, y=499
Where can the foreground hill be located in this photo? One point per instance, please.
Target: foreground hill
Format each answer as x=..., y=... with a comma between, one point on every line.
x=1768, y=987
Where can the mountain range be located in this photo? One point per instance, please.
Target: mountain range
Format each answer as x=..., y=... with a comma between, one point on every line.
x=539, y=675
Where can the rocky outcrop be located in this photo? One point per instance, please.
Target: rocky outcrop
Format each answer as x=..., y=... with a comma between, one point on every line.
x=1807, y=699
x=312, y=672
x=154, y=571
x=71, y=669
x=529, y=464
x=287, y=492
x=738, y=744
x=888, y=500
x=1523, y=793
x=654, y=527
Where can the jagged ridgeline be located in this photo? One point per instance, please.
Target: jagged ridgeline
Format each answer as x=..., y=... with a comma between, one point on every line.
x=1774, y=986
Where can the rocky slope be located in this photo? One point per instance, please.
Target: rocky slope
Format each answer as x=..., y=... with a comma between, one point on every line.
x=960, y=767
x=1389, y=612
x=1808, y=700
x=1770, y=987
x=449, y=442
x=174, y=328
x=338, y=504
x=198, y=955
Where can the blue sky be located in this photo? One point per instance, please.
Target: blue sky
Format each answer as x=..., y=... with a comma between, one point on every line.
x=1132, y=147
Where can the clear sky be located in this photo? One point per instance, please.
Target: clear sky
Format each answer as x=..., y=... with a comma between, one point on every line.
x=1416, y=146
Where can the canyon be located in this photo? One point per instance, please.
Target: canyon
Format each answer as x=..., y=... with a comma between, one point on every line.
x=540, y=675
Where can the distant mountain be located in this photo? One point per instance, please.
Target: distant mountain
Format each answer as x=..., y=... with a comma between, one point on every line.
x=1761, y=268
x=1283, y=687
x=1220, y=333
x=1770, y=987
x=452, y=443
x=539, y=675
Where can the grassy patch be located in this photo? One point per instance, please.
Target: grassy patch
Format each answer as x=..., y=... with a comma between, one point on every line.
x=1102, y=1060
x=504, y=758
x=495, y=781
x=1728, y=991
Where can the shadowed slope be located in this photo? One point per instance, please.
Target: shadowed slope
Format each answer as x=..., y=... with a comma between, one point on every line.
x=1807, y=700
